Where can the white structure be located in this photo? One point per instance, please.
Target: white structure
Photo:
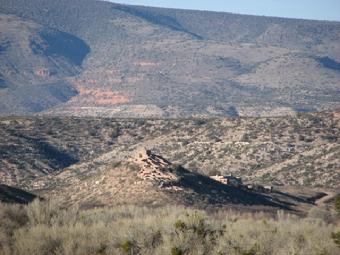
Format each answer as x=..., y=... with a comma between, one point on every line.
x=228, y=180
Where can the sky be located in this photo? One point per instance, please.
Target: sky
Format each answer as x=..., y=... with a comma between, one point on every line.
x=305, y=9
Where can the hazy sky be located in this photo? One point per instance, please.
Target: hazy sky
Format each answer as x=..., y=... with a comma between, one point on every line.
x=308, y=9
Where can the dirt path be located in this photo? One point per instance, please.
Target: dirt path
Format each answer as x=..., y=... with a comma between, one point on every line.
x=322, y=201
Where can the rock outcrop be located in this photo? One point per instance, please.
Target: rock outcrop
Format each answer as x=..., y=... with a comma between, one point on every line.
x=155, y=168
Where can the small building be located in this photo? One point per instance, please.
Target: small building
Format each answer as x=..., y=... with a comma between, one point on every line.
x=228, y=180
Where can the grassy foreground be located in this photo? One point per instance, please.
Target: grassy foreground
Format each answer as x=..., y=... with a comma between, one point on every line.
x=45, y=228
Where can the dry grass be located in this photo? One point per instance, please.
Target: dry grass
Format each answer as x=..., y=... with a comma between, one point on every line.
x=45, y=228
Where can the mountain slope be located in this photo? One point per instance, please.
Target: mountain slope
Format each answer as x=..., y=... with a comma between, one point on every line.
x=34, y=62
x=144, y=61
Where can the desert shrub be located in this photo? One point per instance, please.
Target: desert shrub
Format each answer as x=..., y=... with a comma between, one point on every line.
x=133, y=167
x=79, y=239
x=50, y=213
x=200, y=122
x=180, y=226
x=318, y=213
x=337, y=204
x=176, y=251
x=12, y=217
x=37, y=240
x=192, y=233
x=115, y=132
x=44, y=227
x=129, y=247
x=215, y=172
x=336, y=238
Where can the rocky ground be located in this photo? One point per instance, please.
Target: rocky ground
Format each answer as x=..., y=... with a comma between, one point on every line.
x=96, y=160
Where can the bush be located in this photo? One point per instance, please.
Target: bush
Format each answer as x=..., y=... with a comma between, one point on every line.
x=318, y=213
x=176, y=251
x=180, y=226
x=44, y=228
x=38, y=240
x=115, y=132
x=336, y=238
x=200, y=122
x=12, y=217
x=337, y=204
x=128, y=247
x=50, y=213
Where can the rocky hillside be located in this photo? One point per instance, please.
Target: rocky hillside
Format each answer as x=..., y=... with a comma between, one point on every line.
x=296, y=150
x=146, y=179
x=94, y=58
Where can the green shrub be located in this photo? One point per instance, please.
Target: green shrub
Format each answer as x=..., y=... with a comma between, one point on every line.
x=128, y=246
x=337, y=204
x=180, y=226
x=176, y=251
x=336, y=238
x=200, y=122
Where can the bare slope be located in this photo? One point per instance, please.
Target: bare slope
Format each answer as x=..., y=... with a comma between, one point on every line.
x=145, y=61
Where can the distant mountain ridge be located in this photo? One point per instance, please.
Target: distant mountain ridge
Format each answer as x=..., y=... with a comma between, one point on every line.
x=97, y=58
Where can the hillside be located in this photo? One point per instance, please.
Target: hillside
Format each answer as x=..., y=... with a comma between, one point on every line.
x=13, y=195
x=143, y=178
x=94, y=58
x=34, y=62
x=297, y=150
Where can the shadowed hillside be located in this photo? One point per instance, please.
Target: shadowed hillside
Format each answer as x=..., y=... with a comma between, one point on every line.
x=34, y=62
x=13, y=195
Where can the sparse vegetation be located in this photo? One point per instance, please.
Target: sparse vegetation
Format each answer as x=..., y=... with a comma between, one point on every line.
x=82, y=190
x=245, y=146
x=337, y=204
x=44, y=228
x=336, y=238
x=239, y=71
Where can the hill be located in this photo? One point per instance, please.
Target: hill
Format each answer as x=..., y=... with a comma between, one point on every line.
x=147, y=179
x=143, y=179
x=272, y=151
x=94, y=58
